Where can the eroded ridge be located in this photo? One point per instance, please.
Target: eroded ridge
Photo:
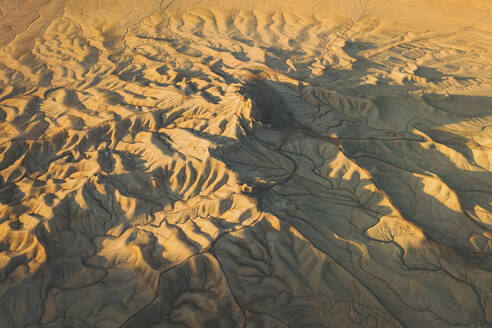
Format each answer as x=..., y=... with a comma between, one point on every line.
x=183, y=164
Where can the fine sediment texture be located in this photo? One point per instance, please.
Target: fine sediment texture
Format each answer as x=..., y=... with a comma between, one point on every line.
x=245, y=164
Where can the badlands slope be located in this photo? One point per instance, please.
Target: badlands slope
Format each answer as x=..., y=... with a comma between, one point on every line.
x=245, y=163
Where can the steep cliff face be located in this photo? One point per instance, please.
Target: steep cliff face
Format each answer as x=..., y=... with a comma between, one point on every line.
x=253, y=164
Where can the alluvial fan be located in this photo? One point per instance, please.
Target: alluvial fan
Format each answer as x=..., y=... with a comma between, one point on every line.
x=245, y=164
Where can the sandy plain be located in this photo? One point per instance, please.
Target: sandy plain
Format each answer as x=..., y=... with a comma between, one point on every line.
x=245, y=163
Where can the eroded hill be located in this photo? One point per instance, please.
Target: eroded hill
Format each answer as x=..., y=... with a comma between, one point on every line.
x=253, y=164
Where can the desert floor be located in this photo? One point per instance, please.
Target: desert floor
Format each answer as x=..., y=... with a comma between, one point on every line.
x=223, y=163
